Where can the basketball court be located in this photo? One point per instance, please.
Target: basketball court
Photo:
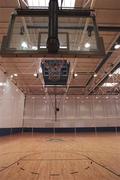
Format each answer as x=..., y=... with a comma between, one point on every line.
x=59, y=90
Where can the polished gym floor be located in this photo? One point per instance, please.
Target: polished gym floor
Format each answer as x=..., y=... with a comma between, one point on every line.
x=60, y=157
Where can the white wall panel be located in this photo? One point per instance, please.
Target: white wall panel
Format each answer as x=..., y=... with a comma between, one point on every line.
x=74, y=111
x=11, y=104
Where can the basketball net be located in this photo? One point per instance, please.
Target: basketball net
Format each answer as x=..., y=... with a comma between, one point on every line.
x=54, y=70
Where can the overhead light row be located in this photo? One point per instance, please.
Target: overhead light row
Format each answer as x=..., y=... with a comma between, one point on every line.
x=110, y=75
x=2, y=84
x=97, y=97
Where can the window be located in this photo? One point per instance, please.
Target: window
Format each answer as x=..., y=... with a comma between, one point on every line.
x=44, y=3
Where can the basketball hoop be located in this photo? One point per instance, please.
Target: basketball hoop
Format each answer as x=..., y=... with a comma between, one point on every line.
x=54, y=69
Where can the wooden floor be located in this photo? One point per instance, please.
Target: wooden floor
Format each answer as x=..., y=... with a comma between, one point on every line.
x=63, y=157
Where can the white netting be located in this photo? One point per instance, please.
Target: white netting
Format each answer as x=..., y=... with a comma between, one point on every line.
x=54, y=70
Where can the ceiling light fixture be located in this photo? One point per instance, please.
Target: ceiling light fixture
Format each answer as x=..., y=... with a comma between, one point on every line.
x=87, y=45
x=2, y=84
x=24, y=45
x=35, y=74
x=117, y=46
x=95, y=75
x=15, y=75
x=34, y=47
x=42, y=47
x=63, y=47
x=110, y=75
x=75, y=74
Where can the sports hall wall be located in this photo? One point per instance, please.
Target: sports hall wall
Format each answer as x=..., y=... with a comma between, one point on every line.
x=75, y=111
x=11, y=106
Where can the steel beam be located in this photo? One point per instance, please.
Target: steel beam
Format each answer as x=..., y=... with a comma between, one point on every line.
x=105, y=78
x=61, y=12
x=100, y=28
x=104, y=60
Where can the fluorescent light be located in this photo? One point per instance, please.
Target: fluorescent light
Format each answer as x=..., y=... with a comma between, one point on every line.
x=109, y=84
x=45, y=3
x=15, y=75
x=42, y=47
x=34, y=47
x=63, y=47
x=117, y=46
x=11, y=76
x=24, y=45
x=87, y=45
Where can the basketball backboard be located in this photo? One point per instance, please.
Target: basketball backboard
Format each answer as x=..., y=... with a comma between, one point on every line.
x=28, y=32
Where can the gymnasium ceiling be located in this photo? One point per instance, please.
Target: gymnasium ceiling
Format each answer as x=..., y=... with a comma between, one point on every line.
x=107, y=15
